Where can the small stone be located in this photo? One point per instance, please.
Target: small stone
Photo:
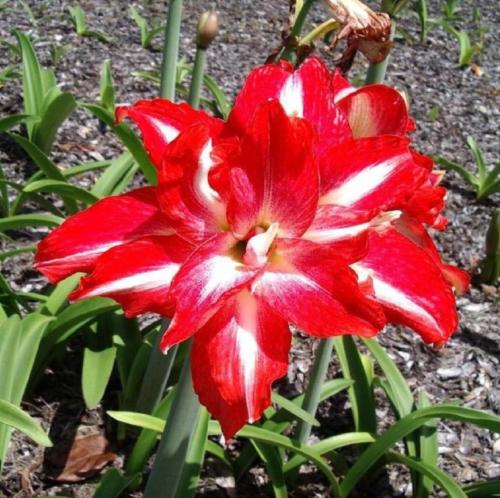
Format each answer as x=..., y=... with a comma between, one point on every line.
x=449, y=373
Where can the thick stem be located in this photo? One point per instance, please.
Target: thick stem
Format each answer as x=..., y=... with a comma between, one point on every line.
x=289, y=52
x=197, y=77
x=156, y=376
x=174, y=445
x=171, y=50
x=313, y=391
x=376, y=72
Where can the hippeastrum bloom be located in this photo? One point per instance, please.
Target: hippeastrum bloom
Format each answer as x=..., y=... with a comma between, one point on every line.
x=285, y=214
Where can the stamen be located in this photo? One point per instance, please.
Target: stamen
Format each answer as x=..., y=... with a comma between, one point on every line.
x=258, y=246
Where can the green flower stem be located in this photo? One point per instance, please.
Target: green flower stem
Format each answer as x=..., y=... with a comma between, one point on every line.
x=376, y=72
x=175, y=440
x=289, y=52
x=171, y=50
x=197, y=77
x=160, y=365
x=313, y=391
x=156, y=376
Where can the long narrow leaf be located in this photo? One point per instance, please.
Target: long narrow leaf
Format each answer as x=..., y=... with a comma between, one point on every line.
x=194, y=459
x=54, y=114
x=29, y=220
x=33, y=92
x=129, y=139
x=430, y=471
x=361, y=392
x=63, y=189
x=9, y=122
x=406, y=426
x=18, y=419
x=427, y=449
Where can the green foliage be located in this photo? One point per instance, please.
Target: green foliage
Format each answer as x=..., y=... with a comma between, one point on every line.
x=147, y=32
x=106, y=87
x=485, y=182
x=18, y=419
x=219, y=104
x=467, y=49
x=79, y=20
x=490, y=265
x=19, y=340
x=43, y=100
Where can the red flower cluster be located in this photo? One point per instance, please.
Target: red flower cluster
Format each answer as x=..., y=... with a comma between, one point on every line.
x=306, y=207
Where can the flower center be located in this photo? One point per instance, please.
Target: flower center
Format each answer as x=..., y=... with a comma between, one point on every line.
x=255, y=250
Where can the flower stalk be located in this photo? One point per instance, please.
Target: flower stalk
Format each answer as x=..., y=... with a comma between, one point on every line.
x=208, y=26
x=376, y=71
x=313, y=391
x=174, y=445
x=156, y=376
x=171, y=50
x=300, y=18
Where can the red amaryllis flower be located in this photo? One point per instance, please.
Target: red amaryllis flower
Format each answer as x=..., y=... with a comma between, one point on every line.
x=278, y=216
x=367, y=167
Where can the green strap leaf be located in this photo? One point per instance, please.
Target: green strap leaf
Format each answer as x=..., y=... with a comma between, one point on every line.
x=29, y=220
x=295, y=410
x=427, y=448
x=129, y=139
x=96, y=372
x=194, y=458
x=56, y=110
x=361, y=392
x=113, y=178
x=113, y=483
x=330, y=444
x=489, y=489
x=9, y=122
x=18, y=419
x=274, y=465
x=431, y=471
x=33, y=92
x=406, y=426
x=61, y=188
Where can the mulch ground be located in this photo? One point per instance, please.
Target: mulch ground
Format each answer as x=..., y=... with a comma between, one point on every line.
x=448, y=103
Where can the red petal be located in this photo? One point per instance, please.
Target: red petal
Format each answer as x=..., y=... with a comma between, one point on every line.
x=194, y=209
x=345, y=230
x=306, y=93
x=276, y=164
x=207, y=279
x=341, y=86
x=137, y=274
x=235, y=359
x=416, y=232
x=262, y=84
x=375, y=110
x=370, y=173
x=78, y=242
x=160, y=121
x=311, y=287
x=410, y=286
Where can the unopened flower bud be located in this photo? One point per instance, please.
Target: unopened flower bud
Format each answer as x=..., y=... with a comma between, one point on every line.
x=208, y=27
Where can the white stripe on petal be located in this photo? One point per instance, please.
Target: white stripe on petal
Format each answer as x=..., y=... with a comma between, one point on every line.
x=220, y=270
x=151, y=279
x=83, y=254
x=330, y=234
x=362, y=183
x=391, y=296
x=380, y=222
x=292, y=96
x=169, y=132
